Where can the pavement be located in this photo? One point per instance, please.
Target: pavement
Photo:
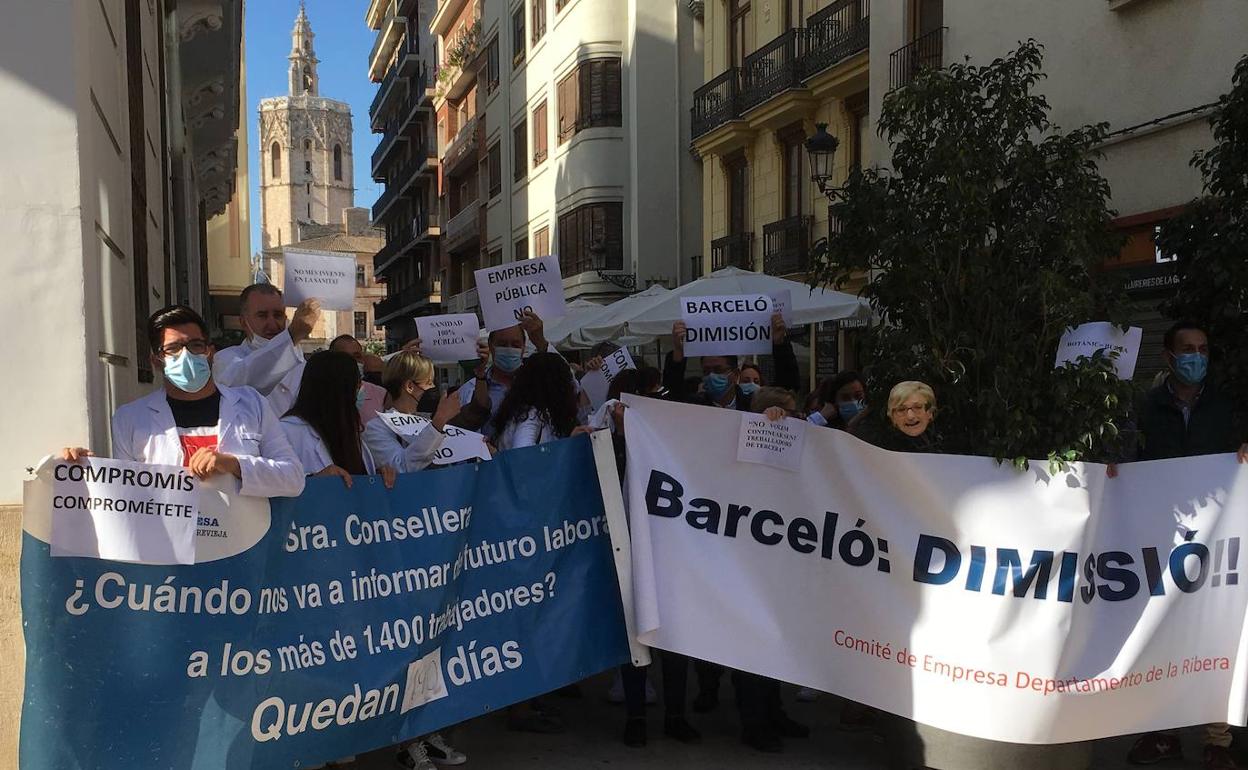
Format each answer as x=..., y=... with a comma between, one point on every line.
x=592, y=740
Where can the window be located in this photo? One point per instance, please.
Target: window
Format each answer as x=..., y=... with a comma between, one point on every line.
x=857, y=106
x=491, y=65
x=338, y=162
x=740, y=31
x=361, y=325
x=495, y=162
x=591, y=237
x=494, y=258
x=307, y=167
x=520, y=151
x=521, y=250
x=275, y=170
x=541, y=242
x=590, y=97
x=539, y=134
x=738, y=172
x=793, y=175
x=517, y=37
x=794, y=13
x=359, y=275
x=539, y=20
x=926, y=16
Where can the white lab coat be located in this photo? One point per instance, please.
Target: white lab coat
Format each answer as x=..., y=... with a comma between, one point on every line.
x=533, y=430
x=405, y=454
x=258, y=363
x=144, y=431
x=311, y=449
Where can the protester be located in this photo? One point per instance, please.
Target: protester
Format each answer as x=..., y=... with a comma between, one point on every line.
x=323, y=425
x=482, y=396
x=540, y=405
x=408, y=377
x=750, y=379
x=907, y=424
x=271, y=349
x=210, y=429
x=776, y=403
x=1185, y=417
x=841, y=399
x=374, y=395
x=721, y=379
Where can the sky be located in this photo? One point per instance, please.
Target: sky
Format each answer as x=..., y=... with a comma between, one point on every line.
x=342, y=44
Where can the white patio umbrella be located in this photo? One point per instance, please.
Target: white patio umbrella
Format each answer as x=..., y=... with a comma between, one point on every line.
x=655, y=315
x=578, y=311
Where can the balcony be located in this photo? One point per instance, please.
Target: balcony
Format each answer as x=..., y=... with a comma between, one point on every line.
x=716, y=103
x=463, y=145
x=835, y=34
x=392, y=26
x=403, y=302
x=786, y=246
x=457, y=73
x=924, y=53
x=462, y=228
x=772, y=69
x=385, y=90
x=464, y=302
x=397, y=242
x=426, y=228
x=733, y=251
x=386, y=199
x=445, y=15
x=389, y=141
x=409, y=62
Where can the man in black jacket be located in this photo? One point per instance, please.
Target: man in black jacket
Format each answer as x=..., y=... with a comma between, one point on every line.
x=1184, y=417
x=719, y=373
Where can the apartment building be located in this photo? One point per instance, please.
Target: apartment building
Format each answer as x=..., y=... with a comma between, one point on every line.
x=561, y=128
x=406, y=161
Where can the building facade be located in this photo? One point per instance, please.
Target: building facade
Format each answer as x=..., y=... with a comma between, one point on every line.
x=118, y=150
x=407, y=162
x=307, y=165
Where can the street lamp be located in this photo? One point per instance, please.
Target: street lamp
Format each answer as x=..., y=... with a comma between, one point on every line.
x=821, y=149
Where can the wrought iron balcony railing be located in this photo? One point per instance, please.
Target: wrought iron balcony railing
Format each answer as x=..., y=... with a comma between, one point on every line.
x=735, y=250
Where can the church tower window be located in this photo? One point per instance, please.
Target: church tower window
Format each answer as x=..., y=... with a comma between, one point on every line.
x=338, y=162
x=276, y=170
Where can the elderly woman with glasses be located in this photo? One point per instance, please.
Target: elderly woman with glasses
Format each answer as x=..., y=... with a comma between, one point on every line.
x=907, y=424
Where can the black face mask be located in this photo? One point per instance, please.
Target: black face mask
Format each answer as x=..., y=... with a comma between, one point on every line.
x=428, y=403
x=373, y=377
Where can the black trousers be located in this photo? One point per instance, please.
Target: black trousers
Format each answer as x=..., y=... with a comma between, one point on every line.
x=675, y=681
x=758, y=701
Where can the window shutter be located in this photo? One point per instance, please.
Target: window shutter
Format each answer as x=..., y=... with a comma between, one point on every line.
x=614, y=92
x=614, y=236
x=590, y=75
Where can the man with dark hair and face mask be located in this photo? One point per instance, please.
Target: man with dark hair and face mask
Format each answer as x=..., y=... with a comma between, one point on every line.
x=721, y=384
x=1183, y=417
x=208, y=428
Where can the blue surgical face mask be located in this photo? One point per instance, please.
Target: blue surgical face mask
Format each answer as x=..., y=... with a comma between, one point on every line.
x=715, y=384
x=848, y=410
x=508, y=359
x=359, y=398
x=1191, y=368
x=187, y=371
x=749, y=388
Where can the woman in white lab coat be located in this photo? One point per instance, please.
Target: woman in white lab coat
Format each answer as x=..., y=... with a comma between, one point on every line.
x=407, y=378
x=541, y=405
x=323, y=425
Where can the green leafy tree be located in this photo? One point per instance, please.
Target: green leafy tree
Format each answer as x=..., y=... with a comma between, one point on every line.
x=1210, y=240
x=983, y=244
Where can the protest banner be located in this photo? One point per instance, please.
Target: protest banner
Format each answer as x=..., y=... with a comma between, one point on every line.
x=776, y=443
x=598, y=382
x=507, y=290
x=1008, y=605
x=1086, y=339
x=329, y=278
x=458, y=445
x=124, y=511
x=782, y=303
x=448, y=338
x=727, y=326
x=361, y=618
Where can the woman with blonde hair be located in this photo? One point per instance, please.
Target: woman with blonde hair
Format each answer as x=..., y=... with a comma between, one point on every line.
x=407, y=377
x=907, y=425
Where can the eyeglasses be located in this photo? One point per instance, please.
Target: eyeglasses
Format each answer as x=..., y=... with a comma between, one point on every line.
x=908, y=408
x=197, y=347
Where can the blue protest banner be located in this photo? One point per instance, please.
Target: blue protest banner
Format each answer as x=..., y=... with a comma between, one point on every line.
x=362, y=618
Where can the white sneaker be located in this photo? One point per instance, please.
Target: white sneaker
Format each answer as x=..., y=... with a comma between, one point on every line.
x=652, y=697
x=616, y=693
x=807, y=695
x=442, y=752
x=414, y=757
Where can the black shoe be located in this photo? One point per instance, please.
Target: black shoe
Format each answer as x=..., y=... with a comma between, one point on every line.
x=635, y=733
x=679, y=729
x=787, y=728
x=705, y=702
x=766, y=741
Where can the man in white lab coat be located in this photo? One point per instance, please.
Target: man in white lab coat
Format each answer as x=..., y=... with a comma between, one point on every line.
x=210, y=429
x=271, y=350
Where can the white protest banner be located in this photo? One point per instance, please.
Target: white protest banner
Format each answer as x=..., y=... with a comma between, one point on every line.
x=598, y=382
x=123, y=511
x=327, y=277
x=1008, y=605
x=778, y=444
x=782, y=303
x=727, y=326
x=457, y=446
x=506, y=291
x=1086, y=339
x=448, y=338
